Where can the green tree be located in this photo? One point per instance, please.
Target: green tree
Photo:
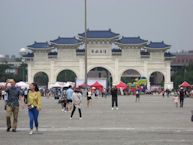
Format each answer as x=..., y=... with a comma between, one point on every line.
x=19, y=76
x=183, y=74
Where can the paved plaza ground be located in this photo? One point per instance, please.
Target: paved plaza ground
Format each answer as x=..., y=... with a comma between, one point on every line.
x=153, y=121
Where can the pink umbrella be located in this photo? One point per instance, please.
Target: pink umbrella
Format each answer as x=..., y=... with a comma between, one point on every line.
x=121, y=85
x=185, y=84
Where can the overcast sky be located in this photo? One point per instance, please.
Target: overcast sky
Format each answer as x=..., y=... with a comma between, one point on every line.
x=24, y=21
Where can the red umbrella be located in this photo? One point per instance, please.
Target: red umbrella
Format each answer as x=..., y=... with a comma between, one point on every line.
x=185, y=84
x=97, y=85
x=121, y=85
x=84, y=85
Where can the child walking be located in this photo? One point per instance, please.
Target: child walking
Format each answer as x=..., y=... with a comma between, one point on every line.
x=176, y=99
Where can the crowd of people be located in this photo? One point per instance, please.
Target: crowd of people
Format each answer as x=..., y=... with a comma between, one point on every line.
x=69, y=98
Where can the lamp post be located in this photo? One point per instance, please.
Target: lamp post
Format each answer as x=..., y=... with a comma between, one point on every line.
x=23, y=69
x=23, y=51
x=85, y=41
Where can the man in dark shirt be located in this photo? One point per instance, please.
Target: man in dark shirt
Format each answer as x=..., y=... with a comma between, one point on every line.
x=12, y=105
x=114, y=97
x=181, y=94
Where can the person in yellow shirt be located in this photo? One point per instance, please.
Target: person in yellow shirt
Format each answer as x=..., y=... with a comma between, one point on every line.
x=34, y=103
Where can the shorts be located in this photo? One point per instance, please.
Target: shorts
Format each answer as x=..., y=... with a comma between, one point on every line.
x=137, y=95
x=89, y=98
x=69, y=101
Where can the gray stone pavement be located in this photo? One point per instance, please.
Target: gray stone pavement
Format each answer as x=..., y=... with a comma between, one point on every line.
x=153, y=121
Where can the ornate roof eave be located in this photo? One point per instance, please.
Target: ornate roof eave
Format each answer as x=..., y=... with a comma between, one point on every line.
x=76, y=44
x=134, y=44
x=170, y=57
x=111, y=38
x=45, y=49
x=157, y=49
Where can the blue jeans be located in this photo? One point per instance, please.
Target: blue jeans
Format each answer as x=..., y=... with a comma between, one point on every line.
x=33, y=116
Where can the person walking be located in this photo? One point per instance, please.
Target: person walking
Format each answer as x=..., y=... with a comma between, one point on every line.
x=114, y=97
x=69, y=95
x=77, y=100
x=176, y=99
x=12, y=105
x=63, y=101
x=5, y=98
x=25, y=92
x=181, y=95
x=34, y=103
x=89, y=98
x=137, y=94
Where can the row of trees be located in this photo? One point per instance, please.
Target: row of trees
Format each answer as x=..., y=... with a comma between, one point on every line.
x=20, y=75
x=182, y=74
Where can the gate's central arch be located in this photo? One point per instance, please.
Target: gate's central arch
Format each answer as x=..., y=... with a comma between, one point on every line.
x=41, y=78
x=130, y=75
x=100, y=73
x=66, y=75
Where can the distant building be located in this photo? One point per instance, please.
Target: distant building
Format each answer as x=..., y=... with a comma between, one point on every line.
x=183, y=58
x=13, y=63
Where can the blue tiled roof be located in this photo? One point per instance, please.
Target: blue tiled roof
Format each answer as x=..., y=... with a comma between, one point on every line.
x=131, y=40
x=66, y=40
x=99, y=34
x=157, y=45
x=39, y=45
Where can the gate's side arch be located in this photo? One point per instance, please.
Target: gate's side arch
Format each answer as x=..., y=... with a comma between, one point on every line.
x=66, y=75
x=73, y=69
x=90, y=67
x=130, y=72
x=41, y=78
x=156, y=78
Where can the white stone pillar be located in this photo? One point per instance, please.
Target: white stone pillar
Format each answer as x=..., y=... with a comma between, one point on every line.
x=168, y=72
x=52, y=75
x=168, y=84
x=145, y=74
x=81, y=74
x=148, y=84
x=116, y=77
x=29, y=77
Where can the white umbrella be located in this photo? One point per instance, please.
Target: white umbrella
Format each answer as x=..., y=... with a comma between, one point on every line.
x=22, y=85
x=66, y=84
x=57, y=85
x=2, y=84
